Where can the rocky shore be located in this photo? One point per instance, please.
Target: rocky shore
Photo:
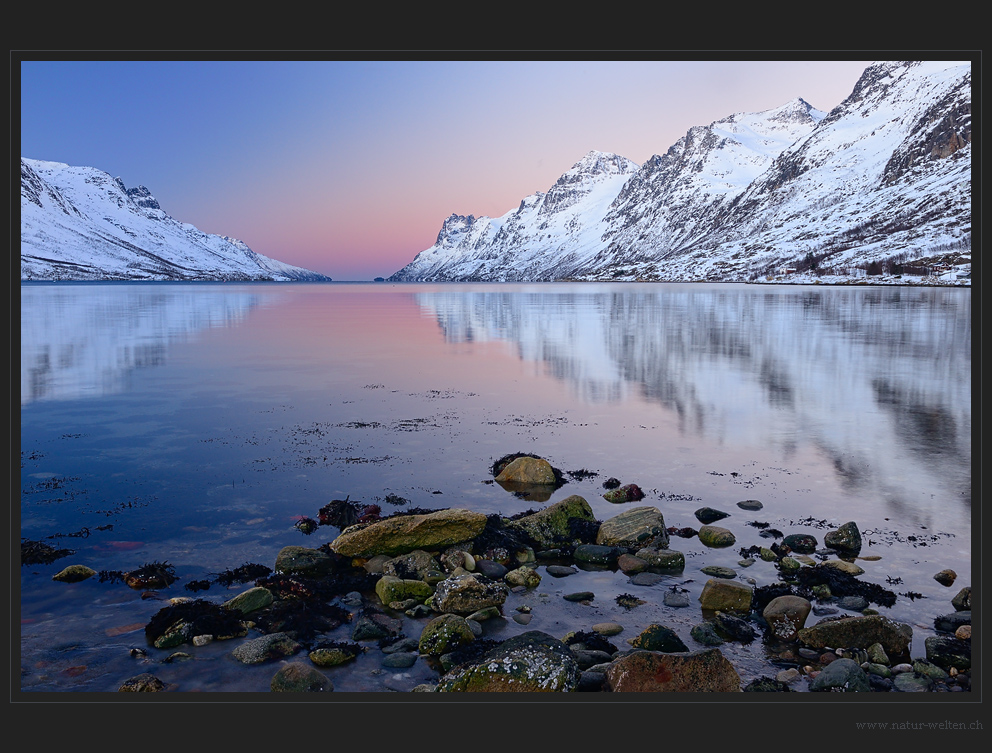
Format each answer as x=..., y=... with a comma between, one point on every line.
x=419, y=586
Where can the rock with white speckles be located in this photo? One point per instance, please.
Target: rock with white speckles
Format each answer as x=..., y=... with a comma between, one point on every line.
x=530, y=662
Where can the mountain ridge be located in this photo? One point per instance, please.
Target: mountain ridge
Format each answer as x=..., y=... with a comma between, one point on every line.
x=881, y=182
x=79, y=223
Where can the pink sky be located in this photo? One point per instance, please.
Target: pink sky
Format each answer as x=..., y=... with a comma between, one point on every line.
x=349, y=168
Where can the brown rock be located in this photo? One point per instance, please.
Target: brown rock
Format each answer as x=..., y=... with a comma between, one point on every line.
x=707, y=670
x=526, y=470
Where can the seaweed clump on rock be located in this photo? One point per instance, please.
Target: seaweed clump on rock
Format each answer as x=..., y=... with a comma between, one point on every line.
x=844, y=584
x=180, y=622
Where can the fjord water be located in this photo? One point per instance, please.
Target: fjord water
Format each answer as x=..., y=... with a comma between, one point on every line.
x=195, y=423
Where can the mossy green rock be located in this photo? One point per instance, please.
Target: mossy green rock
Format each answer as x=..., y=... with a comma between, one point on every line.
x=533, y=662
x=406, y=533
x=550, y=527
x=715, y=536
x=722, y=595
x=251, y=600
x=74, y=574
x=389, y=588
x=444, y=634
x=331, y=657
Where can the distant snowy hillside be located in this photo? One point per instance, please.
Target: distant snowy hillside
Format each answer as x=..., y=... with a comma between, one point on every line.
x=79, y=223
x=882, y=184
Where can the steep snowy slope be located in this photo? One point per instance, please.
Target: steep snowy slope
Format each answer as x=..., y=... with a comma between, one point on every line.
x=884, y=177
x=79, y=223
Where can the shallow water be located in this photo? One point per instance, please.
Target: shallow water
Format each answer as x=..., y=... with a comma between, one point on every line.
x=195, y=423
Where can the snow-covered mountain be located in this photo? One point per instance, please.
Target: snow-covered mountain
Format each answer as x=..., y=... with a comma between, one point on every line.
x=884, y=178
x=79, y=223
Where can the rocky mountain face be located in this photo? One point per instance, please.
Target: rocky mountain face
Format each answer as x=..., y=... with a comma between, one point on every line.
x=885, y=177
x=79, y=223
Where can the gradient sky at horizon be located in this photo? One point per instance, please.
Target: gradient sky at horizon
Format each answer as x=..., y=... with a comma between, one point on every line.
x=349, y=168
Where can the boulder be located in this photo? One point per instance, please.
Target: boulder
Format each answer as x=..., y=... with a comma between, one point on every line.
x=715, y=536
x=524, y=576
x=444, y=634
x=528, y=471
x=301, y=560
x=389, y=588
x=662, y=559
x=801, y=543
x=530, y=662
x=847, y=538
x=636, y=527
x=266, y=648
x=706, y=670
x=710, y=515
x=251, y=600
x=946, y=577
x=401, y=534
x=595, y=554
x=464, y=594
x=786, y=615
x=659, y=638
x=414, y=565
x=858, y=632
x=143, y=683
x=845, y=567
x=555, y=524
x=962, y=599
x=74, y=574
x=297, y=677
x=947, y=652
x=841, y=675
x=724, y=595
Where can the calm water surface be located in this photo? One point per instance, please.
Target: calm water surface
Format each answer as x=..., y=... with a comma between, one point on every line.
x=195, y=423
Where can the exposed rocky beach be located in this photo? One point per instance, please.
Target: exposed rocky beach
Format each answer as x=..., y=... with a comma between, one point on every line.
x=447, y=599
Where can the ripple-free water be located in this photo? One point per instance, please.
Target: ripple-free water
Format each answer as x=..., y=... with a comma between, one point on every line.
x=195, y=423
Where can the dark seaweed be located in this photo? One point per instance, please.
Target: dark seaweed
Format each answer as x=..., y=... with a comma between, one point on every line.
x=844, y=584
x=38, y=553
x=203, y=617
x=244, y=574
